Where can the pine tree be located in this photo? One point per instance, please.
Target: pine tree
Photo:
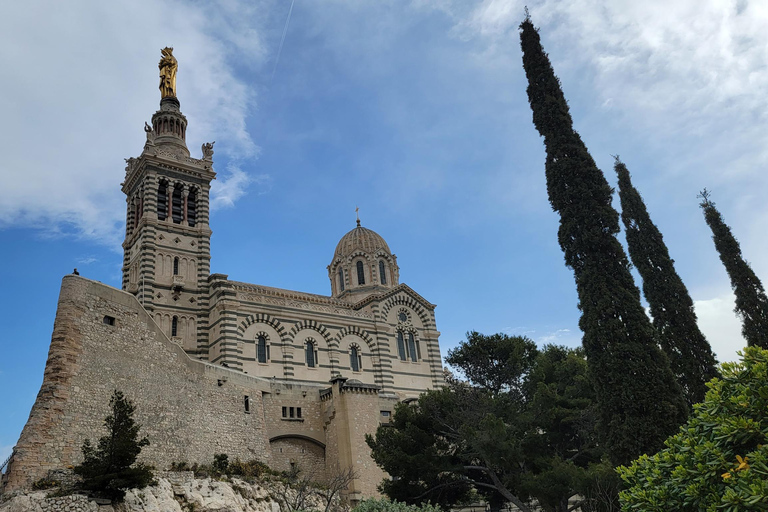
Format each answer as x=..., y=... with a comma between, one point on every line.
x=751, y=301
x=640, y=403
x=690, y=355
x=109, y=468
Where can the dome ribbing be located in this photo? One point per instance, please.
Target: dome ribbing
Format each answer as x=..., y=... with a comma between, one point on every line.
x=362, y=239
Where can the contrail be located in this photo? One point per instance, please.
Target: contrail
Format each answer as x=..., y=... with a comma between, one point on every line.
x=282, y=40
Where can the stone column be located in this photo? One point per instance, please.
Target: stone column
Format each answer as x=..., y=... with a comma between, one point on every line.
x=141, y=202
x=184, y=198
x=171, y=188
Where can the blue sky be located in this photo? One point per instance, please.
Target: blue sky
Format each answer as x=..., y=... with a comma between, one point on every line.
x=415, y=111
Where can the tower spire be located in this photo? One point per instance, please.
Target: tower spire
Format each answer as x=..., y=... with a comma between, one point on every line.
x=169, y=126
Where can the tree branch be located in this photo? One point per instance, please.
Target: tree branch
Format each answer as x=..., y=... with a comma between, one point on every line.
x=501, y=488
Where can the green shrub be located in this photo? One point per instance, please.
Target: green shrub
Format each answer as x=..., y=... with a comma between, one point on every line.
x=44, y=483
x=384, y=505
x=719, y=459
x=220, y=463
x=247, y=469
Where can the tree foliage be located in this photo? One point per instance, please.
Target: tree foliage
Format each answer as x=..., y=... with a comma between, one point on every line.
x=527, y=435
x=719, y=459
x=110, y=468
x=497, y=363
x=690, y=355
x=640, y=403
x=751, y=301
x=384, y=505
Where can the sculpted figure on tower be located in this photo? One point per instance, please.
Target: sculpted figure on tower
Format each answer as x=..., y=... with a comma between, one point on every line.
x=168, y=67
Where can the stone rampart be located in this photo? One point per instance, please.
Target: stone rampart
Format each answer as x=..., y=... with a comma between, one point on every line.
x=104, y=340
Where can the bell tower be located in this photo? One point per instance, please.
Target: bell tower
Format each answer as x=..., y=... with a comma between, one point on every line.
x=167, y=255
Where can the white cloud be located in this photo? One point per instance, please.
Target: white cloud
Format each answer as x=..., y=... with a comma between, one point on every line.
x=721, y=326
x=682, y=68
x=559, y=337
x=80, y=81
x=224, y=192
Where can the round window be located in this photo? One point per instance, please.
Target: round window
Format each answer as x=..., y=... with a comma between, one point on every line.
x=402, y=317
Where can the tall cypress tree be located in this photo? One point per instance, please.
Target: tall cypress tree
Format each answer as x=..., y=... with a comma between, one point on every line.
x=751, y=302
x=640, y=403
x=674, y=318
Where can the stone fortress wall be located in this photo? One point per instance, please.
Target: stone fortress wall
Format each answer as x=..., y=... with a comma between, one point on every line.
x=103, y=340
x=183, y=410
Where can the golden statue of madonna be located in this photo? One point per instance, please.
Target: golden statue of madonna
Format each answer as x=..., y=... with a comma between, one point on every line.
x=168, y=67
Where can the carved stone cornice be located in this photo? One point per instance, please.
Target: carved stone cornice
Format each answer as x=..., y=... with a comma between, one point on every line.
x=294, y=299
x=165, y=158
x=394, y=291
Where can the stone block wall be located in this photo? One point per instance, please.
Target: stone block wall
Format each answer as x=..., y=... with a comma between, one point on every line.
x=308, y=457
x=306, y=397
x=189, y=410
x=361, y=409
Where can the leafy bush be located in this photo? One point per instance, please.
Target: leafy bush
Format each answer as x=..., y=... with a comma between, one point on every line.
x=108, y=469
x=719, y=459
x=220, y=463
x=248, y=469
x=45, y=483
x=222, y=466
x=384, y=505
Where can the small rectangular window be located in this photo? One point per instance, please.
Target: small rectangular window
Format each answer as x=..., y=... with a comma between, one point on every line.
x=285, y=412
x=386, y=414
x=109, y=320
x=247, y=403
x=298, y=412
x=291, y=411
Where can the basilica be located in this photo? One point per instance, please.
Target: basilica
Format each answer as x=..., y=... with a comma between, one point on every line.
x=218, y=366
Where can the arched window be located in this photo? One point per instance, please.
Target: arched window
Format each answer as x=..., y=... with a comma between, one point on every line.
x=401, y=345
x=262, y=350
x=341, y=279
x=176, y=266
x=355, y=361
x=382, y=273
x=135, y=212
x=412, y=348
x=192, y=207
x=310, y=354
x=162, y=200
x=177, y=205
x=174, y=327
x=360, y=273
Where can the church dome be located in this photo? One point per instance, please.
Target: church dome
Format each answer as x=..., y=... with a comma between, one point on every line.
x=360, y=239
x=362, y=264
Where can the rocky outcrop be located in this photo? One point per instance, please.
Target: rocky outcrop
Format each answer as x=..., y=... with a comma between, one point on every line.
x=174, y=492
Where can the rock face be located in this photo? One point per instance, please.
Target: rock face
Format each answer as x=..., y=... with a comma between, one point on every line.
x=38, y=502
x=174, y=492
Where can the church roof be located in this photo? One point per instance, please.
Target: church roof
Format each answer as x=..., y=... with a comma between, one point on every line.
x=362, y=239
